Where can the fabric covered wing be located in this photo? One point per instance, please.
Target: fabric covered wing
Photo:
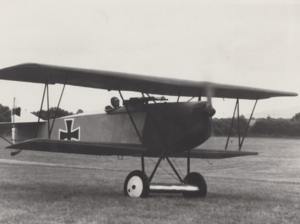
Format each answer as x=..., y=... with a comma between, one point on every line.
x=89, y=148
x=213, y=154
x=37, y=73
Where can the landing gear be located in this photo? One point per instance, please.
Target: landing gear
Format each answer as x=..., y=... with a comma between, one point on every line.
x=198, y=180
x=136, y=185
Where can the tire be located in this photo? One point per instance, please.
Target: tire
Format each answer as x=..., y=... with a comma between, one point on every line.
x=136, y=185
x=198, y=180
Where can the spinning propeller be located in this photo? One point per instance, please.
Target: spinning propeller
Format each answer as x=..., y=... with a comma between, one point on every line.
x=209, y=94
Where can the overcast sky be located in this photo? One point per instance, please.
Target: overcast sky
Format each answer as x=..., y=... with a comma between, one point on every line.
x=241, y=44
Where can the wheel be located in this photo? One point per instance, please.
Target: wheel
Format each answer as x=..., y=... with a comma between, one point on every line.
x=136, y=185
x=198, y=180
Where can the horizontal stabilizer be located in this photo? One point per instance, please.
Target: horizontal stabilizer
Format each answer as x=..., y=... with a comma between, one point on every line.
x=213, y=154
x=78, y=147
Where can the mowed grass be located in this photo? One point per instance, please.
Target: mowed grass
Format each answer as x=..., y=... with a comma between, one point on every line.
x=41, y=187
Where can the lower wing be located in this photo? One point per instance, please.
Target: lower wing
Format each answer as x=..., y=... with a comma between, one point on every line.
x=75, y=147
x=213, y=154
x=103, y=148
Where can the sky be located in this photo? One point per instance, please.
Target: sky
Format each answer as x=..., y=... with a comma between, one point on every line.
x=245, y=43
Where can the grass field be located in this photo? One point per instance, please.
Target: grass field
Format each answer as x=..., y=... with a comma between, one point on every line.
x=41, y=187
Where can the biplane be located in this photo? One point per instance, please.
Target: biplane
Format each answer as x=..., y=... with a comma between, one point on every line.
x=145, y=126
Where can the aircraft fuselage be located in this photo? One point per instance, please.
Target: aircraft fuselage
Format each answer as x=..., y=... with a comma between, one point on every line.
x=175, y=126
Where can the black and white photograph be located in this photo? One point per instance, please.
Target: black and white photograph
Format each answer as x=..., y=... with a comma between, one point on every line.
x=154, y=111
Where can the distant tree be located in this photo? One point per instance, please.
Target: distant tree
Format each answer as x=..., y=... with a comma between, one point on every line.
x=221, y=127
x=276, y=127
x=52, y=111
x=5, y=114
x=296, y=117
x=79, y=111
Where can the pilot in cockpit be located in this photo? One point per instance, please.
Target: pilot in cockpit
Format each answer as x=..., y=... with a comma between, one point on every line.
x=115, y=104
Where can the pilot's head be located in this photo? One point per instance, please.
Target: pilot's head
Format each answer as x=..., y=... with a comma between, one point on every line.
x=115, y=102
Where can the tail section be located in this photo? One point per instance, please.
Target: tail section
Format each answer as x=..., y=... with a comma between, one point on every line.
x=23, y=124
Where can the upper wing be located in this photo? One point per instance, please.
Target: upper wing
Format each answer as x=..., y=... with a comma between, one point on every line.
x=123, y=81
x=213, y=154
x=76, y=147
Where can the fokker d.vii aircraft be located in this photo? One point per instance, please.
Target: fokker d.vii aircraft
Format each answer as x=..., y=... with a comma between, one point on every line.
x=144, y=127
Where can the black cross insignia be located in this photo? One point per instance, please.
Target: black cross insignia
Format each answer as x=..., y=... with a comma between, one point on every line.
x=69, y=134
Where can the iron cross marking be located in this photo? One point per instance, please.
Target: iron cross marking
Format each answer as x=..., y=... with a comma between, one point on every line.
x=69, y=134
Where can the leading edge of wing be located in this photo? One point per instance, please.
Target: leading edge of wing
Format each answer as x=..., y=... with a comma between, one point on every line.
x=38, y=73
x=213, y=154
x=76, y=147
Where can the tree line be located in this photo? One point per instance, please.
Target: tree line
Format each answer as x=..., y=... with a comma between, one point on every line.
x=262, y=127
x=53, y=112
